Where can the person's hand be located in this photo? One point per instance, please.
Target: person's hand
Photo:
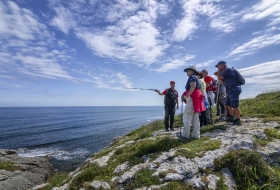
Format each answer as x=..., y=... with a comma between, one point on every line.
x=216, y=73
x=156, y=90
x=182, y=98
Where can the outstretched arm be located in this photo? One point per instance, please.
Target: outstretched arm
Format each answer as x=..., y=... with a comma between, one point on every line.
x=158, y=92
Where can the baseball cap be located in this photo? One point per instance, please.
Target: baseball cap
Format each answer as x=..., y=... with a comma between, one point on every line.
x=221, y=63
x=172, y=82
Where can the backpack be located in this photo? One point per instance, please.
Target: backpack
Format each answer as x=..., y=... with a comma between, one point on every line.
x=240, y=79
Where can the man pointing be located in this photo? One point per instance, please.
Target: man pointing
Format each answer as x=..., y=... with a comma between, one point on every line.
x=170, y=101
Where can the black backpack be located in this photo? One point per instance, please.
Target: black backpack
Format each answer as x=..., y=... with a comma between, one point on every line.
x=240, y=79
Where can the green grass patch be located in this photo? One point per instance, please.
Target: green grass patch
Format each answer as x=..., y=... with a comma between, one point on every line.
x=102, y=153
x=249, y=170
x=146, y=131
x=56, y=181
x=211, y=128
x=142, y=178
x=275, y=133
x=93, y=172
x=265, y=105
x=9, y=166
x=198, y=147
x=177, y=185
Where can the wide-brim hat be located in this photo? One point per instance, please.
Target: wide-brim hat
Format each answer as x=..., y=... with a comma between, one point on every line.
x=191, y=68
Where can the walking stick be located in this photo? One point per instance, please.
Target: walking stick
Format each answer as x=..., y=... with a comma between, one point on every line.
x=181, y=118
x=217, y=99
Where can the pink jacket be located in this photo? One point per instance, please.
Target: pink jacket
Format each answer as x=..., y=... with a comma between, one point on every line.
x=197, y=98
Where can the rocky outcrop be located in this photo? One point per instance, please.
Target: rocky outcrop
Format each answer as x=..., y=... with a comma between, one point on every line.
x=30, y=172
x=169, y=166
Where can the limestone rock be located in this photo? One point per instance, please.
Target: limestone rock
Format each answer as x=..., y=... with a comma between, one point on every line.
x=98, y=184
x=33, y=171
x=229, y=181
x=121, y=167
x=174, y=177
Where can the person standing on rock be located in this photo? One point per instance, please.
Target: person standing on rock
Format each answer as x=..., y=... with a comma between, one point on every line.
x=233, y=90
x=202, y=115
x=210, y=95
x=170, y=101
x=194, y=104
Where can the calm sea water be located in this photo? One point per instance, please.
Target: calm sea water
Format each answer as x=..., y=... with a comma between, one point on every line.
x=69, y=135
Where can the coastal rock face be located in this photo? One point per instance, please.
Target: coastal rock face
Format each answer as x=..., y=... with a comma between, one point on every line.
x=170, y=166
x=31, y=172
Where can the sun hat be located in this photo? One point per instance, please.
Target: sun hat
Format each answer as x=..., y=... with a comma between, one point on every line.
x=191, y=68
x=221, y=63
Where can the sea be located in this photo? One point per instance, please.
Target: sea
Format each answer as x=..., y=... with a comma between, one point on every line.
x=69, y=135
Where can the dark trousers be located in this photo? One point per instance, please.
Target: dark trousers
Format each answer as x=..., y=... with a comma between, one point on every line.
x=208, y=113
x=218, y=106
x=169, y=112
x=202, y=119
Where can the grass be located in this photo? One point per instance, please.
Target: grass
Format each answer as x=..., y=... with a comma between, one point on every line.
x=265, y=105
x=270, y=134
x=142, y=178
x=9, y=166
x=134, y=152
x=275, y=133
x=249, y=170
x=56, y=181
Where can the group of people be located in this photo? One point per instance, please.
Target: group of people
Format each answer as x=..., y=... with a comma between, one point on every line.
x=201, y=93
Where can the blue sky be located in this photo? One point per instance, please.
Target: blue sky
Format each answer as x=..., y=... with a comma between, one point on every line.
x=84, y=52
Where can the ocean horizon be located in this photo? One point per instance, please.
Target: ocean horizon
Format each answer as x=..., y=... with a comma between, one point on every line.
x=68, y=135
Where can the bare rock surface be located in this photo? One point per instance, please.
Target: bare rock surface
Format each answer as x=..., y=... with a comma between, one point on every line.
x=32, y=171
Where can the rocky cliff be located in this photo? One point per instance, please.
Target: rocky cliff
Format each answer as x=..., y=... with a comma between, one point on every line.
x=22, y=173
x=183, y=163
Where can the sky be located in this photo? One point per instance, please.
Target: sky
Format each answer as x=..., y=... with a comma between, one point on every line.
x=88, y=52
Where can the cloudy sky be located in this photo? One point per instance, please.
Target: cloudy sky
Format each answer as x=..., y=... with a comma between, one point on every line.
x=85, y=52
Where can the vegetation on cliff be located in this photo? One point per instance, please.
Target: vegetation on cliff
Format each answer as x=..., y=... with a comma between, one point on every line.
x=247, y=167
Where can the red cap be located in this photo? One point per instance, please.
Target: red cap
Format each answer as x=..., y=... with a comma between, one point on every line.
x=172, y=82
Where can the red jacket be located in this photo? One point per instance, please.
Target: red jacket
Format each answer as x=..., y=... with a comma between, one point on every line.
x=198, y=100
x=209, y=83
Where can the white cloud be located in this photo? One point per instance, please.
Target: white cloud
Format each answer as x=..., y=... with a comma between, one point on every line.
x=265, y=9
x=174, y=64
x=20, y=22
x=29, y=48
x=255, y=44
x=204, y=64
x=63, y=20
x=261, y=69
x=110, y=80
x=134, y=37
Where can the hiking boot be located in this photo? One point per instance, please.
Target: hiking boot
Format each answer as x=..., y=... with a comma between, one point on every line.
x=171, y=129
x=236, y=122
x=222, y=118
x=230, y=119
x=167, y=130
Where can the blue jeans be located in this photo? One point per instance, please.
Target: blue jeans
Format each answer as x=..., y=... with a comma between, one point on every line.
x=233, y=96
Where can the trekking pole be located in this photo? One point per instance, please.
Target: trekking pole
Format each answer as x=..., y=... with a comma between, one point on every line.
x=139, y=88
x=217, y=99
x=181, y=118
